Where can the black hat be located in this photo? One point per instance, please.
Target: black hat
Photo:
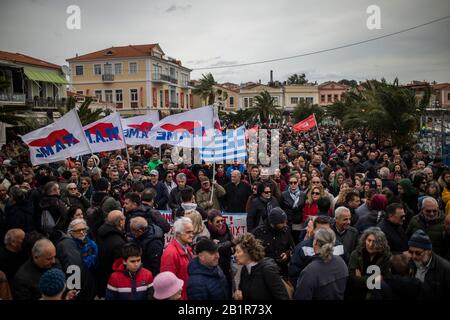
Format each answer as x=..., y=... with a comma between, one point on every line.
x=277, y=216
x=206, y=244
x=102, y=184
x=421, y=240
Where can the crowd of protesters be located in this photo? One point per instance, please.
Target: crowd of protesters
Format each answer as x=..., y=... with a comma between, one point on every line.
x=339, y=216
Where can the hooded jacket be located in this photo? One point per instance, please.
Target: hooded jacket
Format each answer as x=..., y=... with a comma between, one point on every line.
x=125, y=285
x=152, y=244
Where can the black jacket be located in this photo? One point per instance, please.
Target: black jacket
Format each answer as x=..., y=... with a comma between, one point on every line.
x=225, y=248
x=236, y=197
x=25, y=285
x=349, y=238
x=294, y=215
x=263, y=282
x=275, y=243
x=395, y=235
x=162, y=195
x=437, y=279
x=152, y=244
x=175, y=197
x=19, y=215
x=82, y=201
x=57, y=209
x=10, y=262
x=397, y=287
x=206, y=283
x=110, y=242
x=369, y=220
x=259, y=210
x=157, y=218
x=68, y=254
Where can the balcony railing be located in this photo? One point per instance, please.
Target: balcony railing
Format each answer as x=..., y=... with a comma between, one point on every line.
x=14, y=98
x=46, y=102
x=163, y=78
x=107, y=77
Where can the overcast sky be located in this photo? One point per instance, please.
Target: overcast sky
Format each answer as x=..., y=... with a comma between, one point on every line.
x=204, y=33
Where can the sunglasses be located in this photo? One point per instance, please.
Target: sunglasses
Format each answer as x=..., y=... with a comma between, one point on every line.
x=220, y=221
x=315, y=193
x=267, y=192
x=137, y=172
x=292, y=182
x=84, y=230
x=315, y=182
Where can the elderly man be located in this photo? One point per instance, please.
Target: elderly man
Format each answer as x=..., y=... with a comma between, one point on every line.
x=203, y=195
x=25, y=285
x=178, y=253
x=431, y=221
x=150, y=238
x=392, y=226
x=237, y=193
x=11, y=254
x=428, y=267
x=175, y=194
x=345, y=233
x=110, y=240
x=76, y=249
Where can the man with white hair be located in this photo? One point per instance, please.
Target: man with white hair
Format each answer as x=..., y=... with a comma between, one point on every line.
x=385, y=181
x=76, y=249
x=430, y=220
x=25, y=285
x=345, y=233
x=178, y=253
x=236, y=193
x=150, y=238
x=12, y=255
x=175, y=194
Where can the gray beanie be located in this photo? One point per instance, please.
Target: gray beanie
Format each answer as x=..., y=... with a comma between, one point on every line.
x=277, y=216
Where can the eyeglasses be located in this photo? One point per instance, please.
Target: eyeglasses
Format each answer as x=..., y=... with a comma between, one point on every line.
x=293, y=182
x=315, y=193
x=72, y=188
x=84, y=230
x=137, y=172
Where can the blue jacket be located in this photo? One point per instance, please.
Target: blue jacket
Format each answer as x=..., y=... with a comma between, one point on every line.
x=303, y=254
x=231, y=168
x=206, y=283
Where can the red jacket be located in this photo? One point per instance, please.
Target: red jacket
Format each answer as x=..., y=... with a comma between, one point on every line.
x=176, y=260
x=124, y=286
x=310, y=210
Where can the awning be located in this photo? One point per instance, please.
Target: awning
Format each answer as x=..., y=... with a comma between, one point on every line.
x=44, y=76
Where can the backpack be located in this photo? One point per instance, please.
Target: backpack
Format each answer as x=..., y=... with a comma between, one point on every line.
x=95, y=216
x=47, y=221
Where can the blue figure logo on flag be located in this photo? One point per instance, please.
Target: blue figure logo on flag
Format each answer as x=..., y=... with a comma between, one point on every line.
x=225, y=146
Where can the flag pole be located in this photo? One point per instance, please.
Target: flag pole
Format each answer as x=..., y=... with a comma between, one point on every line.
x=81, y=126
x=126, y=146
x=317, y=127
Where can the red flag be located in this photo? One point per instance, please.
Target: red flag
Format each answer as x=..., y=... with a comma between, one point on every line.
x=305, y=124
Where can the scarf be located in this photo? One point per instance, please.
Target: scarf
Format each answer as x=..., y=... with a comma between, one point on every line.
x=221, y=232
x=295, y=196
x=268, y=203
x=189, y=206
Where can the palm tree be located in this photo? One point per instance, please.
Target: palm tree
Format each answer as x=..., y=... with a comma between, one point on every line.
x=304, y=109
x=264, y=108
x=86, y=114
x=205, y=89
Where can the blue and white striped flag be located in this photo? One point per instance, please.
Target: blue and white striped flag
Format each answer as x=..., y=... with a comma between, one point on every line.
x=225, y=146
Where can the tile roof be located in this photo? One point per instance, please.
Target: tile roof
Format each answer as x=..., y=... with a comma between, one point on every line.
x=117, y=52
x=21, y=58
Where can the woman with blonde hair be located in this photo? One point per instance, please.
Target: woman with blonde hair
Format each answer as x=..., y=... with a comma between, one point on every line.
x=200, y=229
x=312, y=197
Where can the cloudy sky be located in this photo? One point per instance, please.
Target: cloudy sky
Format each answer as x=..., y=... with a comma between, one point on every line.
x=204, y=33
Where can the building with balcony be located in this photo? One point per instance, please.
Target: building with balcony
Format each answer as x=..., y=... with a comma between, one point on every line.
x=135, y=78
x=31, y=82
x=295, y=94
x=248, y=92
x=227, y=97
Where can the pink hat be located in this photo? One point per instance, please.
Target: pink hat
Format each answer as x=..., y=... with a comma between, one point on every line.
x=166, y=284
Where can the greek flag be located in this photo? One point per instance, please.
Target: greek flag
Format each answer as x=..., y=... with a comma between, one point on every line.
x=225, y=146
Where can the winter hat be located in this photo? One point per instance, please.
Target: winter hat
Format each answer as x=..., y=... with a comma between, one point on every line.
x=102, y=184
x=154, y=173
x=206, y=244
x=277, y=216
x=166, y=284
x=421, y=240
x=52, y=282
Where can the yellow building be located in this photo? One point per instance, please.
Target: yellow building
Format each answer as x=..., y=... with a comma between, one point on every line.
x=247, y=94
x=295, y=94
x=226, y=97
x=135, y=78
x=331, y=92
